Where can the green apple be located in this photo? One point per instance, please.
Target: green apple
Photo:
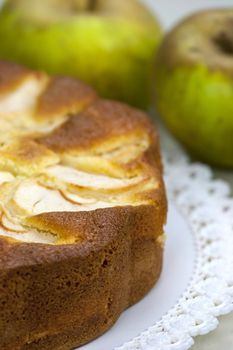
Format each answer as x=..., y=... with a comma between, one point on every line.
x=194, y=90
x=111, y=44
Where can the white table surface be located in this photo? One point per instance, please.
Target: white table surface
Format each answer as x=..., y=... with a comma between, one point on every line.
x=170, y=12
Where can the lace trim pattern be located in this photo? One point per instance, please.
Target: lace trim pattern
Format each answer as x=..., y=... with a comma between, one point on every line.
x=206, y=203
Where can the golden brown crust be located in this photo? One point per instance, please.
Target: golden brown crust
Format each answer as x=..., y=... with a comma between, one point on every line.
x=12, y=75
x=62, y=96
x=80, y=277
x=59, y=295
x=101, y=121
x=26, y=157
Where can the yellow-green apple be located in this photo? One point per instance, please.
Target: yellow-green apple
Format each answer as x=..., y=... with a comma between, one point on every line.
x=110, y=44
x=194, y=90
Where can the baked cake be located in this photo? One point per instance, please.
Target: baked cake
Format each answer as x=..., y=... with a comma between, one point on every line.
x=82, y=210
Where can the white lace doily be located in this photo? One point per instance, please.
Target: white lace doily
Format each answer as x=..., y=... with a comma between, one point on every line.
x=206, y=203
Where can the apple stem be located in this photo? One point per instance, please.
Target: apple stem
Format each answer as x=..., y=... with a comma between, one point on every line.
x=92, y=5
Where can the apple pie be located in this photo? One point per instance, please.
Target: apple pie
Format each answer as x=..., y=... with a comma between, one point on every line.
x=82, y=210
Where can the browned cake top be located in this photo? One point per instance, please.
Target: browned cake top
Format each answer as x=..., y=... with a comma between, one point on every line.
x=64, y=153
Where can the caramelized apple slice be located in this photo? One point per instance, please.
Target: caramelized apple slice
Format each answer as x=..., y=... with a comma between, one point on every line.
x=31, y=198
x=10, y=225
x=5, y=176
x=24, y=97
x=76, y=199
x=70, y=176
x=30, y=236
